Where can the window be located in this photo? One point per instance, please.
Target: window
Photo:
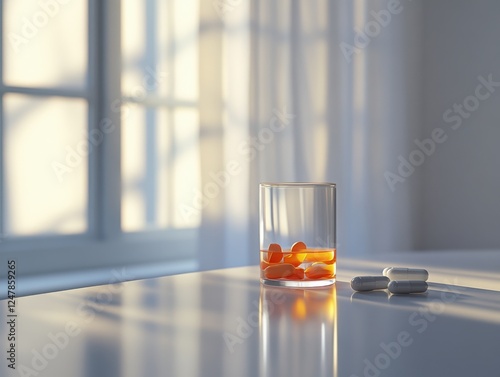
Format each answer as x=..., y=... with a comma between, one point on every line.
x=159, y=112
x=99, y=132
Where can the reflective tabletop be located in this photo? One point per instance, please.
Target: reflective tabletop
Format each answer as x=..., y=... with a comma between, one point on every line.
x=225, y=323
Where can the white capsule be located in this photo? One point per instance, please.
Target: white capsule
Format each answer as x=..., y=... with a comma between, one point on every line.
x=407, y=286
x=399, y=273
x=369, y=283
x=385, y=271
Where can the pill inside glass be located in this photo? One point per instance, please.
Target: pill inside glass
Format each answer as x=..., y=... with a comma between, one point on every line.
x=297, y=234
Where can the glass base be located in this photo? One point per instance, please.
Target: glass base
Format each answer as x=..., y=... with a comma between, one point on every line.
x=298, y=283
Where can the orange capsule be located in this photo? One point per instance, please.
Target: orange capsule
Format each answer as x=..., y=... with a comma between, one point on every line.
x=295, y=258
x=319, y=271
x=274, y=253
x=298, y=246
x=264, y=265
x=298, y=274
x=277, y=271
x=332, y=261
x=320, y=256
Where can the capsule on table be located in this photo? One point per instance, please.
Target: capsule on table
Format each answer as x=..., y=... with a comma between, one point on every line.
x=407, y=286
x=369, y=283
x=400, y=273
x=384, y=272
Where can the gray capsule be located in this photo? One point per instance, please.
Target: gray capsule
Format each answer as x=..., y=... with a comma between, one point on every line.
x=369, y=283
x=401, y=273
x=407, y=286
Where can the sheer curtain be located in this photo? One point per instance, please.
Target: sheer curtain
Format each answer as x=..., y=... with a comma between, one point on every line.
x=282, y=100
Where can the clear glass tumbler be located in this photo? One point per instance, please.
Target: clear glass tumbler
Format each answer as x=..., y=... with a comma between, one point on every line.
x=297, y=234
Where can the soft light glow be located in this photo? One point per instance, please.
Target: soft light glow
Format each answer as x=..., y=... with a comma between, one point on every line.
x=55, y=37
x=45, y=171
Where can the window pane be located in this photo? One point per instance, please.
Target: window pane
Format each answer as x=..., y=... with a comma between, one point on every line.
x=160, y=168
x=160, y=151
x=45, y=43
x=45, y=165
x=160, y=49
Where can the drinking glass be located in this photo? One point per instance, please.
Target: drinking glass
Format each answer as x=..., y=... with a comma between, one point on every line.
x=297, y=234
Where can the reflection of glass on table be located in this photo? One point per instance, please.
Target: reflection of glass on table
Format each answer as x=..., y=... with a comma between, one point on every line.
x=298, y=332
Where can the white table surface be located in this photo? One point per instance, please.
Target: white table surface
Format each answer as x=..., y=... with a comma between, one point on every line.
x=225, y=323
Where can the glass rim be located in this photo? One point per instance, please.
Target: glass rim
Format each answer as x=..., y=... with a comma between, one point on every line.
x=298, y=184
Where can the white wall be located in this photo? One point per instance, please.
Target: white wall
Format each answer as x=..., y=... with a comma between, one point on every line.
x=460, y=187
x=393, y=95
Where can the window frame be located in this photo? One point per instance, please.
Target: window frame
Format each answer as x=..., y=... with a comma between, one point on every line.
x=104, y=245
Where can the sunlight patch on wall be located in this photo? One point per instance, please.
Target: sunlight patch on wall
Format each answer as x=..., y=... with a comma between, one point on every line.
x=45, y=165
